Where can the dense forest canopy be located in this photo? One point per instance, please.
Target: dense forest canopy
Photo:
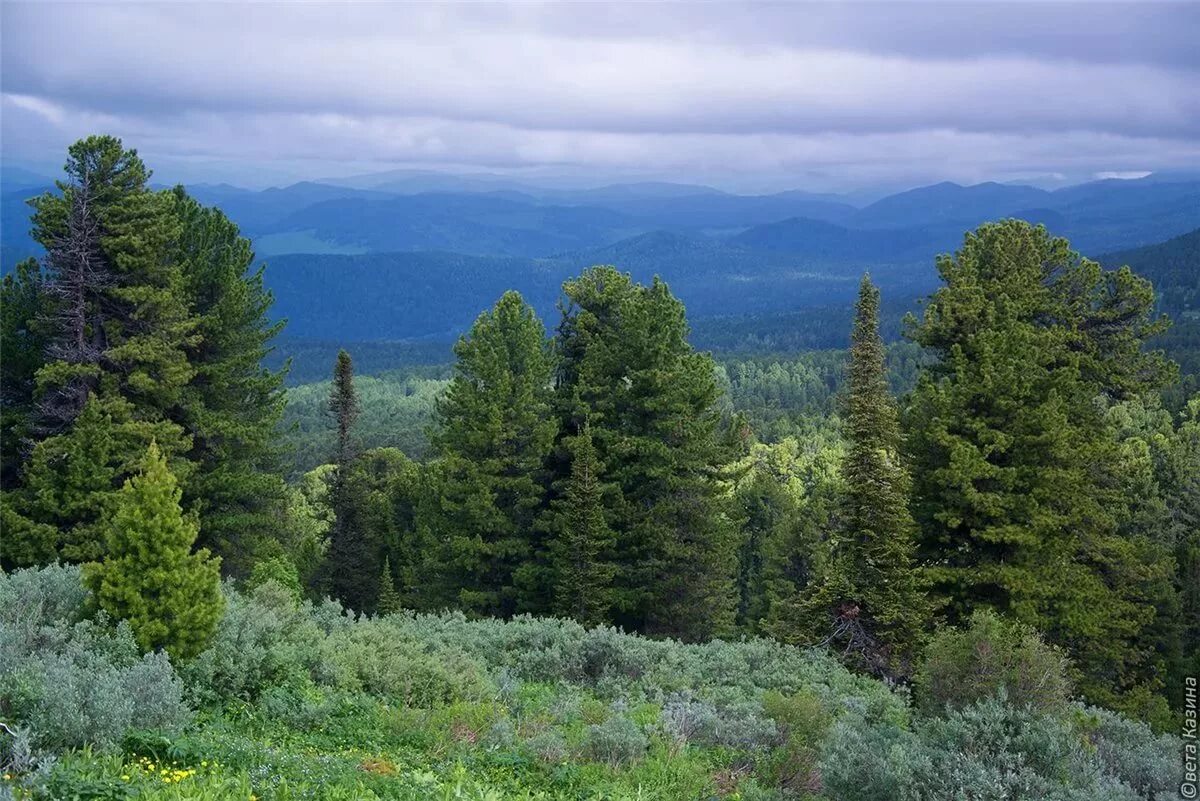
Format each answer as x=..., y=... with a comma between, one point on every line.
x=998, y=513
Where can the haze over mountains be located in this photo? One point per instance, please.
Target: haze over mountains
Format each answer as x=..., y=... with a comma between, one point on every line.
x=418, y=254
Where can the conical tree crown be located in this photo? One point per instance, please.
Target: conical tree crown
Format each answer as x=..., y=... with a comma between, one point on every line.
x=170, y=596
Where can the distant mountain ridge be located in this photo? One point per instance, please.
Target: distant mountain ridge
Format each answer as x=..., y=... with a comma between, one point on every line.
x=361, y=262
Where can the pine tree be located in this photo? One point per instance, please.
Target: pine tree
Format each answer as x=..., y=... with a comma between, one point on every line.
x=581, y=544
x=1016, y=493
x=350, y=565
x=651, y=400
x=232, y=406
x=495, y=429
x=114, y=331
x=389, y=601
x=869, y=604
x=145, y=302
x=170, y=596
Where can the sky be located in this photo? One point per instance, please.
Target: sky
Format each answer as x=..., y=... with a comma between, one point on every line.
x=745, y=96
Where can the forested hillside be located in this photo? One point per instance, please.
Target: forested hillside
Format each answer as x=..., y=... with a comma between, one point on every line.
x=583, y=557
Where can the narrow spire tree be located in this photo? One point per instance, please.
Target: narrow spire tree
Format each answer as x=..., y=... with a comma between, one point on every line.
x=869, y=603
x=170, y=596
x=388, y=599
x=343, y=405
x=350, y=572
x=582, y=542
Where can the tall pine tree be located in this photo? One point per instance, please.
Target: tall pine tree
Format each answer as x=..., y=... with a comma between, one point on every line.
x=651, y=401
x=233, y=405
x=144, y=314
x=350, y=564
x=495, y=429
x=1016, y=492
x=868, y=604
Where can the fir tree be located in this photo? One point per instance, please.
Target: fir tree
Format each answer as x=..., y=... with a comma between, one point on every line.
x=389, y=601
x=581, y=541
x=495, y=429
x=350, y=565
x=170, y=596
x=868, y=604
x=343, y=406
x=1016, y=492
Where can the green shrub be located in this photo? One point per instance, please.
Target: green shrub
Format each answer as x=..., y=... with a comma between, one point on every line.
x=803, y=721
x=278, y=569
x=77, y=682
x=617, y=741
x=963, y=666
x=1132, y=753
x=988, y=750
x=257, y=644
x=686, y=719
x=374, y=657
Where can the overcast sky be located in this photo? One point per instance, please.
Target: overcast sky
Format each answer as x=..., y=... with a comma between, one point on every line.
x=747, y=96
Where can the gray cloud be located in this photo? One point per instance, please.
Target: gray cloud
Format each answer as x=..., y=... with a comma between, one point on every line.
x=864, y=91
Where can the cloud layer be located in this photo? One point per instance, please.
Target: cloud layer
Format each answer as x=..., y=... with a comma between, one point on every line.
x=823, y=95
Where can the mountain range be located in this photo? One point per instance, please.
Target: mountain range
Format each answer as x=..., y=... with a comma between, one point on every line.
x=410, y=254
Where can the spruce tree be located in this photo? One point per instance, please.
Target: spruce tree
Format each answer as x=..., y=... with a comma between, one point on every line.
x=149, y=577
x=350, y=566
x=581, y=541
x=388, y=599
x=1016, y=491
x=868, y=604
x=651, y=400
x=494, y=431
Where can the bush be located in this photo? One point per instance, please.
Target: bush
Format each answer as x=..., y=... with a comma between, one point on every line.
x=77, y=682
x=686, y=719
x=280, y=570
x=988, y=750
x=963, y=666
x=374, y=657
x=1132, y=753
x=261, y=641
x=617, y=741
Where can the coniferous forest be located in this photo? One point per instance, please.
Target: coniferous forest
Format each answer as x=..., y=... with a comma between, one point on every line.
x=957, y=556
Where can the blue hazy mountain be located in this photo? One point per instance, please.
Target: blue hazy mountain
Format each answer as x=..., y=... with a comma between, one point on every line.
x=368, y=262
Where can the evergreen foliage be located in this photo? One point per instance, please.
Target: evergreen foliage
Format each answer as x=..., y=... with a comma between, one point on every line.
x=495, y=429
x=389, y=600
x=581, y=544
x=626, y=368
x=869, y=604
x=233, y=405
x=149, y=577
x=142, y=312
x=1017, y=492
x=350, y=560
x=22, y=351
